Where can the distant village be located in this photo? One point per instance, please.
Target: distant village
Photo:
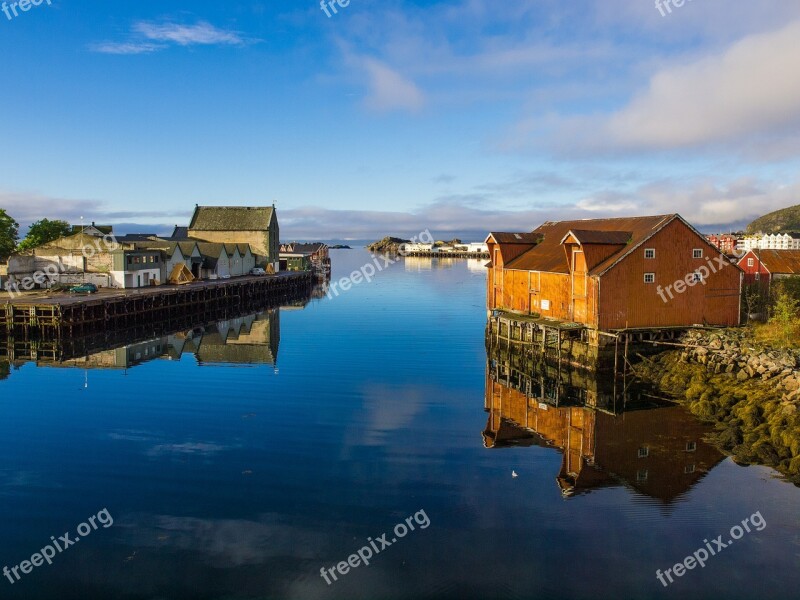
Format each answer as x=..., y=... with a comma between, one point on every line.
x=219, y=243
x=597, y=272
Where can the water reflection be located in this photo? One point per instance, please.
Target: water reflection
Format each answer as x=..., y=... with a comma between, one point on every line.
x=242, y=340
x=608, y=434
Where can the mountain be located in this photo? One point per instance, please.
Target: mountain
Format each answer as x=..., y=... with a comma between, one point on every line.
x=780, y=221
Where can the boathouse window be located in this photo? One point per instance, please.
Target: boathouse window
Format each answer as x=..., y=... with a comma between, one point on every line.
x=649, y=277
x=691, y=446
x=750, y=262
x=650, y=253
x=697, y=278
x=697, y=253
x=130, y=260
x=545, y=304
x=644, y=452
x=688, y=469
x=641, y=475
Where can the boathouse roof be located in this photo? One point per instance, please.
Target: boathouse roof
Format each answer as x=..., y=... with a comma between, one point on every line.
x=625, y=233
x=515, y=238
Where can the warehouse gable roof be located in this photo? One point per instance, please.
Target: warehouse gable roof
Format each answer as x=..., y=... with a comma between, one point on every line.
x=232, y=218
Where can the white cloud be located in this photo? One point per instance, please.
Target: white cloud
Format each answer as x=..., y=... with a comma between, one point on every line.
x=124, y=47
x=150, y=37
x=202, y=33
x=388, y=90
x=751, y=89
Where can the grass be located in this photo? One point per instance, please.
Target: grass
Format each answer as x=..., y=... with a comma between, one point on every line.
x=775, y=335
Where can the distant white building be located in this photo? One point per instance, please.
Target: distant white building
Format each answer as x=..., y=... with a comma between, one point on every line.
x=770, y=241
x=412, y=248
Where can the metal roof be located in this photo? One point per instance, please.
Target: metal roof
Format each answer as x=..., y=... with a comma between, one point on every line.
x=548, y=255
x=588, y=236
x=779, y=262
x=515, y=238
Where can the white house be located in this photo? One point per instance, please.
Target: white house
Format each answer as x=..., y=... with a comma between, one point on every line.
x=241, y=259
x=413, y=248
x=770, y=241
x=187, y=253
x=216, y=260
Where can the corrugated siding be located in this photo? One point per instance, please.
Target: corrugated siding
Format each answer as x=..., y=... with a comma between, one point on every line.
x=626, y=301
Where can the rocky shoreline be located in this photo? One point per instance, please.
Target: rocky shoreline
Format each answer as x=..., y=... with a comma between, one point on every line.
x=751, y=394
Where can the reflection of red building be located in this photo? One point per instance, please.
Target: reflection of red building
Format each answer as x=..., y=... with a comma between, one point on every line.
x=659, y=452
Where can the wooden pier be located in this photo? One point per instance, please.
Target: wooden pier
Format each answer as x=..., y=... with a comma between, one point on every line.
x=475, y=255
x=67, y=316
x=578, y=345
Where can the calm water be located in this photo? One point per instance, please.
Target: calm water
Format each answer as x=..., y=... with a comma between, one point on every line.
x=235, y=467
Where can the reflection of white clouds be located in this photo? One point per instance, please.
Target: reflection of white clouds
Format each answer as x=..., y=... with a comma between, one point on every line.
x=225, y=543
x=12, y=482
x=134, y=435
x=201, y=448
x=389, y=409
x=163, y=447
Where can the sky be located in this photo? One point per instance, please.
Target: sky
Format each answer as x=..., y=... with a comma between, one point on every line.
x=394, y=116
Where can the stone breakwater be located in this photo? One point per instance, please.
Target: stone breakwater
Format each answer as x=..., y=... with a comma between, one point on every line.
x=750, y=393
x=732, y=352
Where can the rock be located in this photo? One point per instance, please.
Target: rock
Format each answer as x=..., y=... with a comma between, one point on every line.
x=742, y=376
x=791, y=384
x=387, y=244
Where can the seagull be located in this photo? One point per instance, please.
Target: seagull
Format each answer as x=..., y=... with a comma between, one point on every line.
x=514, y=473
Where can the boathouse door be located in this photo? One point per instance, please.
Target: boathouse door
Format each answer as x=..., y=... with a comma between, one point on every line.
x=579, y=286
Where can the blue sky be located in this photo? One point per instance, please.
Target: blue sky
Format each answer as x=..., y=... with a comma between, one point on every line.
x=393, y=116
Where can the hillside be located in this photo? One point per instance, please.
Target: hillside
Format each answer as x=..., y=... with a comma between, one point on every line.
x=780, y=221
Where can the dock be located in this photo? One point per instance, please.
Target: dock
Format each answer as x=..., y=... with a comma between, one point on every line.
x=449, y=254
x=43, y=316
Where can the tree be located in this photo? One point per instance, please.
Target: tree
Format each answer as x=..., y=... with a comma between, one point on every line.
x=753, y=296
x=784, y=310
x=9, y=233
x=44, y=231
